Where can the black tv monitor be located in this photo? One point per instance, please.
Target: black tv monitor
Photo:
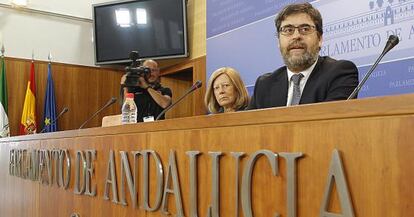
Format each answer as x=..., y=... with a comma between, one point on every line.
x=157, y=29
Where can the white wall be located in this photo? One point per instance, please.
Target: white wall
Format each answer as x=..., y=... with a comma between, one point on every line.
x=68, y=40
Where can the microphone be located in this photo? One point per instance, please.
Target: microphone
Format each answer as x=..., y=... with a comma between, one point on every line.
x=195, y=86
x=64, y=110
x=110, y=102
x=392, y=41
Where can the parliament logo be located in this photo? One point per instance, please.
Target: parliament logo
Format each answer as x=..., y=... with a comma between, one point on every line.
x=359, y=30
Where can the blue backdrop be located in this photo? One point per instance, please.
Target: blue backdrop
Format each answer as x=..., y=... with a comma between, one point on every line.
x=241, y=34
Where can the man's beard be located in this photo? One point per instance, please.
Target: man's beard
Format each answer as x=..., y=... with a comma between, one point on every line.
x=302, y=62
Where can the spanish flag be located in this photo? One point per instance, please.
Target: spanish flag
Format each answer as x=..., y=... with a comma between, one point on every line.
x=28, y=123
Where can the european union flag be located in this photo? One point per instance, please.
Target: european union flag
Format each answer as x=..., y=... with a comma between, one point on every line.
x=49, y=120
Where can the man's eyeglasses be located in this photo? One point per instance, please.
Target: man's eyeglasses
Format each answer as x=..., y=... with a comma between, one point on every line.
x=154, y=69
x=304, y=29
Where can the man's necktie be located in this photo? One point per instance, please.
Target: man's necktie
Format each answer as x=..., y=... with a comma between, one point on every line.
x=296, y=88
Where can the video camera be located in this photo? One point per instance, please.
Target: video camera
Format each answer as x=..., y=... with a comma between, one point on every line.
x=135, y=70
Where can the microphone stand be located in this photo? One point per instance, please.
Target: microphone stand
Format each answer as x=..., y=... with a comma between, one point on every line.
x=392, y=41
x=110, y=102
x=193, y=88
x=358, y=88
x=64, y=110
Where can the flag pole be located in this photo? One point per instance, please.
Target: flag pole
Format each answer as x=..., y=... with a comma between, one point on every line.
x=49, y=57
x=2, y=51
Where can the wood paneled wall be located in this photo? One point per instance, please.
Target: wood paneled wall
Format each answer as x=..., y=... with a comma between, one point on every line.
x=180, y=78
x=82, y=89
x=196, y=23
x=85, y=89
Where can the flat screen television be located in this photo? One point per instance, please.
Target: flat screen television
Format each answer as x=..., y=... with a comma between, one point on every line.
x=157, y=29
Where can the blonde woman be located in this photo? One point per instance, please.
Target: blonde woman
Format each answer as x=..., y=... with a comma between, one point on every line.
x=226, y=92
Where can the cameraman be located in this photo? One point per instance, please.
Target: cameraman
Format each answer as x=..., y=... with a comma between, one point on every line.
x=151, y=98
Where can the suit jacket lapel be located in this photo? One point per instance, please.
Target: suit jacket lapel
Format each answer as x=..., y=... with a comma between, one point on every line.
x=279, y=88
x=312, y=81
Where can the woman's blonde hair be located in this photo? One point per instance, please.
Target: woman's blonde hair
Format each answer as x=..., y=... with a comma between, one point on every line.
x=242, y=98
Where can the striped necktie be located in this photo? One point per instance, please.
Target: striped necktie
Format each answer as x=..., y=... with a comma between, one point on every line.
x=296, y=88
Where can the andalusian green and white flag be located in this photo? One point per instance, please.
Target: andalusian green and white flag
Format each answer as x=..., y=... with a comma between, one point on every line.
x=4, y=120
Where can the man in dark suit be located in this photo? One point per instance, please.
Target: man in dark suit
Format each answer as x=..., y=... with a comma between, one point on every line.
x=307, y=77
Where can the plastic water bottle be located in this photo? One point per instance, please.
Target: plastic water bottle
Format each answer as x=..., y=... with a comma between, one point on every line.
x=129, y=110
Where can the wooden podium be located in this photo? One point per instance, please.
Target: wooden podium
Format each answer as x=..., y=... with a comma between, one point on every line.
x=253, y=163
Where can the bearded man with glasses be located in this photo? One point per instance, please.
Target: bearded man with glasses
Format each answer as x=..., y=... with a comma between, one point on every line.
x=307, y=77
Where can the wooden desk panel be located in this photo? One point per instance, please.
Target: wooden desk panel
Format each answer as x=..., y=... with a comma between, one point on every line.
x=375, y=142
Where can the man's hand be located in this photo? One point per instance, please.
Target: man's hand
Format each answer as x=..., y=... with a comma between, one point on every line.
x=142, y=82
x=162, y=100
x=123, y=79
